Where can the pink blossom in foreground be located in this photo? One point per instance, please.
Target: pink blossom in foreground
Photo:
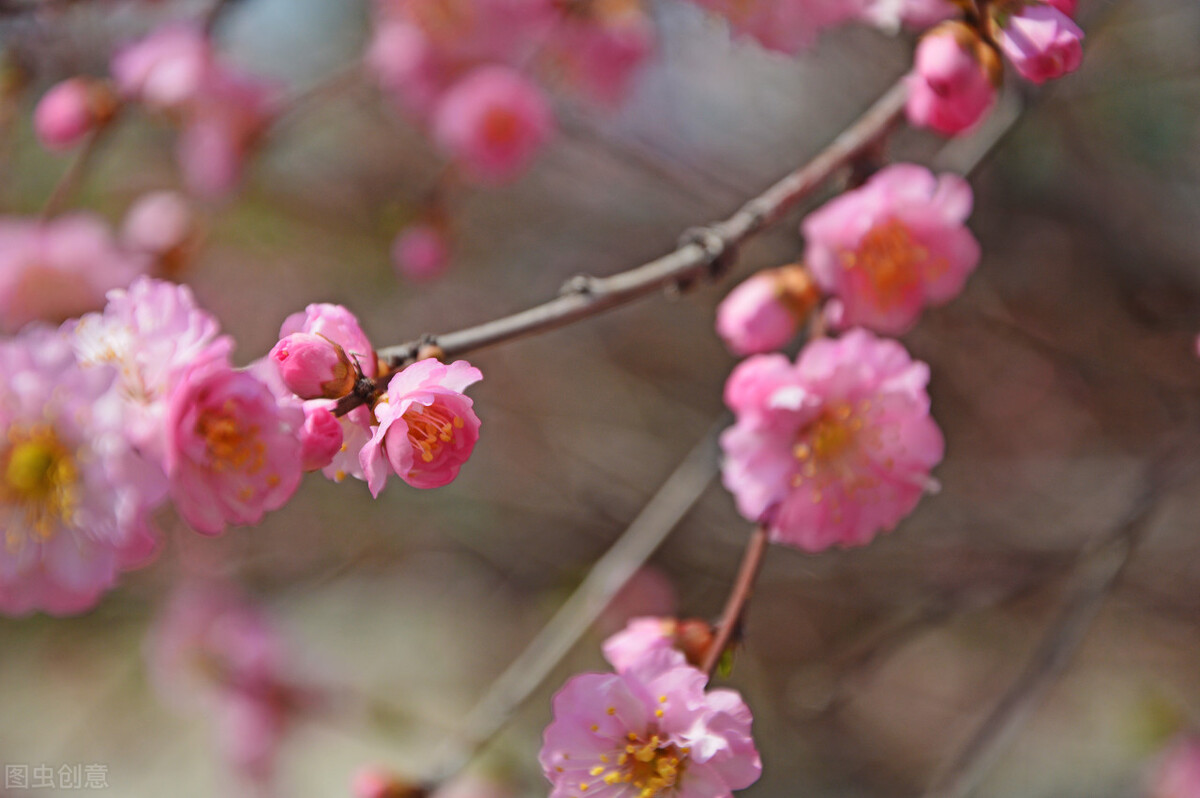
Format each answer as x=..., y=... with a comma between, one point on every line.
x=1177, y=774
x=357, y=430
x=158, y=223
x=891, y=247
x=339, y=325
x=211, y=650
x=786, y=26
x=954, y=80
x=427, y=428
x=232, y=450
x=150, y=332
x=75, y=498
x=53, y=270
x=492, y=123
x=71, y=110
x=650, y=730
x=639, y=638
x=166, y=69
x=835, y=448
x=421, y=252
x=766, y=310
x=313, y=367
x=1042, y=42
x=320, y=436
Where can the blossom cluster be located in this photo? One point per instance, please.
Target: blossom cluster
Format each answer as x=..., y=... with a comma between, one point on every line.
x=650, y=728
x=113, y=412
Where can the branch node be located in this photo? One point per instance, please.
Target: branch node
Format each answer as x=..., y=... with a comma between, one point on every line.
x=582, y=284
x=719, y=254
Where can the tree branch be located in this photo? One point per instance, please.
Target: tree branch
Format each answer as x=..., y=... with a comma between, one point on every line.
x=739, y=596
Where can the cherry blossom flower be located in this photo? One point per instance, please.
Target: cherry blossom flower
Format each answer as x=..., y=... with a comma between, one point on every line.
x=321, y=436
x=166, y=69
x=892, y=246
x=766, y=310
x=1041, y=41
x=232, y=449
x=492, y=122
x=71, y=110
x=158, y=224
x=835, y=448
x=53, y=270
x=75, y=498
x=427, y=428
x=647, y=731
x=954, y=80
x=640, y=637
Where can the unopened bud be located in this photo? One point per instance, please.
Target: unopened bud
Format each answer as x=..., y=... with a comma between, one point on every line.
x=765, y=311
x=313, y=367
x=71, y=110
x=694, y=637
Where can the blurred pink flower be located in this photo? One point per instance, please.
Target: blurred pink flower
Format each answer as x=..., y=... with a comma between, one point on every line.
x=55, y=269
x=166, y=69
x=224, y=121
x=766, y=310
x=954, y=80
x=339, y=325
x=833, y=449
x=786, y=26
x=1042, y=42
x=492, y=123
x=232, y=449
x=75, y=498
x=405, y=63
x=421, y=252
x=600, y=48
x=1177, y=775
x=157, y=223
x=892, y=246
x=71, y=110
x=427, y=428
x=640, y=637
x=649, y=730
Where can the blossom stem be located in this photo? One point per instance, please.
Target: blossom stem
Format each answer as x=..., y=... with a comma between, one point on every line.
x=73, y=177
x=739, y=597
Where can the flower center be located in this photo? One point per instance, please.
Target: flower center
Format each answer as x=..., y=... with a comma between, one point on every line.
x=825, y=440
x=41, y=480
x=231, y=447
x=651, y=766
x=501, y=127
x=890, y=258
x=430, y=428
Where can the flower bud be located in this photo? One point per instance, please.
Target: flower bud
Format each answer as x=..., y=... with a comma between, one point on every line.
x=71, y=110
x=373, y=782
x=1041, y=41
x=320, y=437
x=954, y=80
x=765, y=311
x=162, y=225
x=313, y=367
x=694, y=637
x=420, y=252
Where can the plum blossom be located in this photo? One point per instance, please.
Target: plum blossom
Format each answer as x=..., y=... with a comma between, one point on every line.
x=337, y=324
x=685, y=640
x=835, y=448
x=892, y=246
x=647, y=731
x=75, y=498
x=71, y=110
x=166, y=69
x=426, y=426
x=232, y=449
x=313, y=367
x=55, y=269
x=599, y=46
x=420, y=251
x=320, y=437
x=953, y=83
x=766, y=310
x=1041, y=41
x=492, y=123
x=159, y=224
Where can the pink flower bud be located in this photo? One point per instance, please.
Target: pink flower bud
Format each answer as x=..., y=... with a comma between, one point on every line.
x=420, y=252
x=765, y=311
x=320, y=437
x=492, y=122
x=158, y=223
x=374, y=782
x=1042, y=42
x=313, y=367
x=954, y=80
x=70, y=111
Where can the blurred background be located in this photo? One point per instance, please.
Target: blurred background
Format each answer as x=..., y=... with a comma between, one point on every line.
x=1065, y=369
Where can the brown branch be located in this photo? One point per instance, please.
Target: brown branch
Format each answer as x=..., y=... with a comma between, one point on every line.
x=739, y=596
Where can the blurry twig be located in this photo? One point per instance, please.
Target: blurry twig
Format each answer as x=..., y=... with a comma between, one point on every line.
x=610, y=573
x=73, y=177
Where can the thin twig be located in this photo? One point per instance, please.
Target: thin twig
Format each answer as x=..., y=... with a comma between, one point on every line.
x=610, y=573
x=73, y=177
x=739, y=596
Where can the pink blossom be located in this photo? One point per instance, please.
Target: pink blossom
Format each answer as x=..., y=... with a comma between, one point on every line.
x=158, y=223
x=954, y=81
x=493, y=122
x=232, y=449
x=320, y=437
x=639, y=638
x=765, y=311
x=426, y=429
x=53, y=270
x=357, y=430
x=224, y=120
x=166, y=69
x=600, y=48
x=786, y=26
x=1041, y=41
x=313, y=367
x=75, y=498
x=835, y=448
x=71, y=110
x=150, y=332
x=1177, y=774
x=407, y=66
x=339, y=325
x=375, y=782
x=892, y=246
x=421, y=252
x=647, y=731
x=470, y=32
